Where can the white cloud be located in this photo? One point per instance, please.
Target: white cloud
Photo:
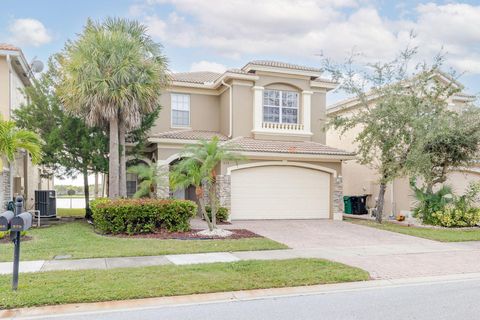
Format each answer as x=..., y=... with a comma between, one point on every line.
x=28, y=32
x=455, y=27
x=208, y=66
x=305, y=28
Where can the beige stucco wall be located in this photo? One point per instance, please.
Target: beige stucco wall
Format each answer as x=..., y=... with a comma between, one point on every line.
x=210, y=108
x=4, y=88
x=204, y=113
x=266, y=79
x=225, y=112
x=242, y=111
x=363, y=179
x=318, y=117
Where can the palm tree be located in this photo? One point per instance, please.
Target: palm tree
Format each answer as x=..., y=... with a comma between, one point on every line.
x=151, y=177
x=112, y=75
x=198, y=168
x=13, y=139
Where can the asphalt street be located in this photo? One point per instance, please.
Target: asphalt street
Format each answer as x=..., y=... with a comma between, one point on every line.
x=440, y=300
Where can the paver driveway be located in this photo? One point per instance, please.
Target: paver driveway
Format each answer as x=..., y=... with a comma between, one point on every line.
x=384, y=254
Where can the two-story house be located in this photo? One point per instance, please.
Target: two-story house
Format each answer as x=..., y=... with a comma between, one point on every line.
x=271, y=113
x=19, y=177
x=361, y=179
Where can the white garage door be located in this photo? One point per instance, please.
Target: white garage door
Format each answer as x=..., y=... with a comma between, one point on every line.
x=279, y=192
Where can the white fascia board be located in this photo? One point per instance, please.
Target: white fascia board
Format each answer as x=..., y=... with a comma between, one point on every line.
x=323, y=84
x=315, y=74
x=23, y=62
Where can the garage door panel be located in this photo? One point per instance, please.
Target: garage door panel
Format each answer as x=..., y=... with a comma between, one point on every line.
x=280, y=192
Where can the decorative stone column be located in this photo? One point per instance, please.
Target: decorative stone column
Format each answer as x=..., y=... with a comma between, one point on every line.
x=163, y=187
x=223, y=190
x=338, y=198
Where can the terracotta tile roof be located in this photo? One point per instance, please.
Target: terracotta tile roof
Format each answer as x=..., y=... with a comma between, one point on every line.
x=195, y=77
x=290, y=147
x=278, y=64
x=6, y=46
x=190, y=135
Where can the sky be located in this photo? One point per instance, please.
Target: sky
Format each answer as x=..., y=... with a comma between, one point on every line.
x=215, y=35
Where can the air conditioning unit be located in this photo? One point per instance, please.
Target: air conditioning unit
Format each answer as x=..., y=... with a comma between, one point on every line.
x=46, y=203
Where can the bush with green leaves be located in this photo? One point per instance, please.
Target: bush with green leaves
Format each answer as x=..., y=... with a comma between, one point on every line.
x=222, y=213
x=6, y=234
x=444, y=208
x=134, y=216
x=429, y=203
x=452, y=216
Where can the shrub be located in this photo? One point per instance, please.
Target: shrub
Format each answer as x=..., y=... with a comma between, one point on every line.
x=443, y=208
x=6, y=234
x=452, y=216
x=133, y=216
x=430, y=202
x=222, y=213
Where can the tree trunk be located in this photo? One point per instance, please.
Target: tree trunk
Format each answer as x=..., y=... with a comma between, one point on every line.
x=95, y=190
x=123, y=160
x=113, y=162
x=213, y=205
x=88, y=213
x=201, y=201
x=380, y=202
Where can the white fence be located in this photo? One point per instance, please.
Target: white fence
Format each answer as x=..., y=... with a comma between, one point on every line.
x=70, y=203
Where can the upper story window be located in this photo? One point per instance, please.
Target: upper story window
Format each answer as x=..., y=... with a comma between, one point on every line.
x=280, y=106
x=180, y=110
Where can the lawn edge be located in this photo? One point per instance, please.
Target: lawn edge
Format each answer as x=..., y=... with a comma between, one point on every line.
x=370, y=225
x=227, y=296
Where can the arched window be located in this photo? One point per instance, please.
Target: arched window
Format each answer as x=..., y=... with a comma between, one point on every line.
x=280, y=106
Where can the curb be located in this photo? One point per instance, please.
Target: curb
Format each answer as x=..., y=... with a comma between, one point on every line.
x=244, y=295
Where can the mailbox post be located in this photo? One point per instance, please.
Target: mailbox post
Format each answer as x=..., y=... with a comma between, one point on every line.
x=22, y=221
x=16, y=222
x=16, y=241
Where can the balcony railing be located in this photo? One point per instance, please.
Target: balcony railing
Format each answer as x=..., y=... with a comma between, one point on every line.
x=290, y=127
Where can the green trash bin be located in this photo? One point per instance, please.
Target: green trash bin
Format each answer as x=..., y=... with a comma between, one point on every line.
x=347, y=205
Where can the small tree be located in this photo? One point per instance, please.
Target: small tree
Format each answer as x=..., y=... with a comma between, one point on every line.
x=397, y=104
x=198, y=168
x=14, y=139
x=452, y=141
x=151, y=179
x=111, y=75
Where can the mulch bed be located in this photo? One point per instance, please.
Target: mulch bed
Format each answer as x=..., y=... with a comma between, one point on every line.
x=192, y=235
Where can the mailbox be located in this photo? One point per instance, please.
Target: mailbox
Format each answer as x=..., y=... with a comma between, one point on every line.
x=5, y=219
x=21, y=222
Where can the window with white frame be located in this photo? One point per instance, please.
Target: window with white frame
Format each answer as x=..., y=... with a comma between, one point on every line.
x=280, y=106
x=180, y=110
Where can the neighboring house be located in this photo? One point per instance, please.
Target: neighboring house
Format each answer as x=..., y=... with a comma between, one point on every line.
x=21, y=177
x=363, y=180
x=273, y=114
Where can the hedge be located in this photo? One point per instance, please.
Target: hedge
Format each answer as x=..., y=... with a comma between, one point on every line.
x=133, y=216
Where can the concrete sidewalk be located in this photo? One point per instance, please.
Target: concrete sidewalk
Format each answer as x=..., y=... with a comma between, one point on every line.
x=120, y=262
x=379, y=261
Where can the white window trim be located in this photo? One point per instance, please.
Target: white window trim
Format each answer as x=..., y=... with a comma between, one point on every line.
x=172, y=125
x=280, y=106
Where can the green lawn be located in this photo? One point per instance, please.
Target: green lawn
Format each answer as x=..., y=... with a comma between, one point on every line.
x=47, y=288
x=78, y=240
x=444, y=235
x=75, y=212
